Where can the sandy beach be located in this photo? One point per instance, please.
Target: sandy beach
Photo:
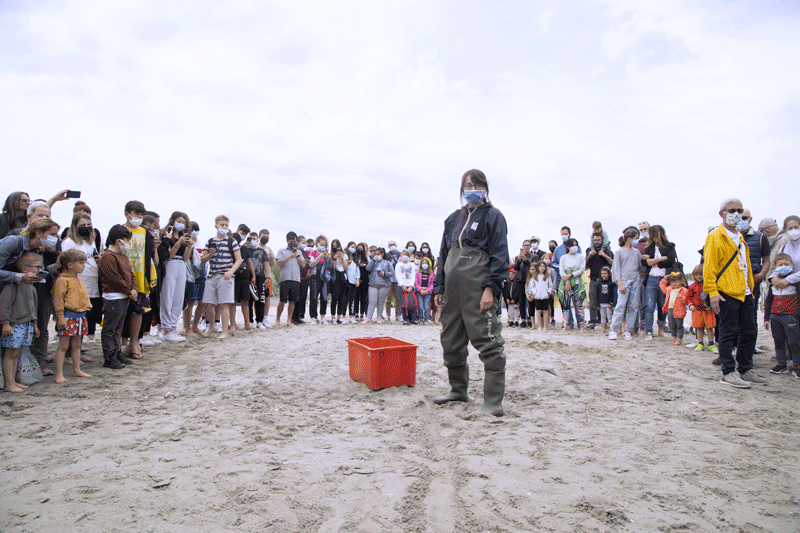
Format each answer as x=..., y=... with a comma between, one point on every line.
x=267, y=432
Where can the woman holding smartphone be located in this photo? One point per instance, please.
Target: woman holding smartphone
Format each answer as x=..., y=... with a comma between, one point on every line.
x=173, y=252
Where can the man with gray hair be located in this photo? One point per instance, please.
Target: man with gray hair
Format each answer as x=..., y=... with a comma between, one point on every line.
x=728, y=280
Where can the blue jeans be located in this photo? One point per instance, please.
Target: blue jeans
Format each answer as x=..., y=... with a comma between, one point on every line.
x=652, y=302
x=736, y=316
x=424, y=306
x=629, y=301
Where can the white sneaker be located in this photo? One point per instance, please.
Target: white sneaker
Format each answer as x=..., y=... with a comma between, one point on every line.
x=321, y=322
x=612, y=335
x=260, y=325
x=627, y=335
x=146, y=341
x=155, y=340
x=266, y=324
x=648, y=337
x=160, y=334
x=174, y=337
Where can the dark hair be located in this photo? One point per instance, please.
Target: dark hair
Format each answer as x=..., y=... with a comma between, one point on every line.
x=175, y=216
x=148, y=219
x=658, y=235
x=566, y=228
x=597, y=224
x=73, y=255
x=244, y=228
x=263, y=231
x=413, y=244
x=381, y=251
x=629, y=233
x=117, y=232
x=80, y=206
x=135, y=206
x=789, y=219
x=597, y=235
x=478, y=178
x=72, y=233
x=152, y=214
x=784, y=257
x=192, y=225
x=12, y=201
x=571, y=242
x=291, y=235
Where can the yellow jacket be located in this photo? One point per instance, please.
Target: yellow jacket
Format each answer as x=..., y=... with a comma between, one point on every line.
x=718, y=250
x=69, y=292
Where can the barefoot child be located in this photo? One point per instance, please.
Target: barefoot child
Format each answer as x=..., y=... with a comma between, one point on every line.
x=674, y=288
x=703, y=319
x=71, y=302
x=18, y=318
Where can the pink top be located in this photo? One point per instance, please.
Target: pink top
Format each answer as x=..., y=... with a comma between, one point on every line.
x=418, y=282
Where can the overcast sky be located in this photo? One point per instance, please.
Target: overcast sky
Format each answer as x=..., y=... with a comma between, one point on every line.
x=357, y=119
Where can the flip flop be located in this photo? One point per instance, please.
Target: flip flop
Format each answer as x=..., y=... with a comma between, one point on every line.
x=133, y=355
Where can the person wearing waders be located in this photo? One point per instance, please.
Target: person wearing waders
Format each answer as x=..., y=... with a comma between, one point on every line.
x=473, y=262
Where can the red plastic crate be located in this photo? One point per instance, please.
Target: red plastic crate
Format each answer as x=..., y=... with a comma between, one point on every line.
x=381, y=362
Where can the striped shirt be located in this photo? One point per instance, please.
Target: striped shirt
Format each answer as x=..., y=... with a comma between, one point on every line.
x=223, y=260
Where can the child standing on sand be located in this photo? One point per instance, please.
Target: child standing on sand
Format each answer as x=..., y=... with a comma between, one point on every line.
x=71, y=302
x=540, y=289
x=703, y=319
x=606, y=296
x=625, y=273
x=119, y=287
x=674, y=288
x=18, y=318
x=511, y=296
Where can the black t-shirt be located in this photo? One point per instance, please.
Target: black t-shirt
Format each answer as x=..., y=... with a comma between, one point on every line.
x=244, y=274
x=596, y=263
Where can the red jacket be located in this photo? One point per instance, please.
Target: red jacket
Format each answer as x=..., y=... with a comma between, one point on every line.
x=679, y=309
x=695, y=290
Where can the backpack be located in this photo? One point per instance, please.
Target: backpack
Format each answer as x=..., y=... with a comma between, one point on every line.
x=410, y=304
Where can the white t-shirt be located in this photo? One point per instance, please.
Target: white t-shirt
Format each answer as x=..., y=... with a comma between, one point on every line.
x=737, y=238
x=405, y=273
x=657, y=271
x=90, y=273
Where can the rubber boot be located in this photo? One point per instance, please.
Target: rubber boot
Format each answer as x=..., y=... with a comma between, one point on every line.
x=459, y=383
x=494, y=388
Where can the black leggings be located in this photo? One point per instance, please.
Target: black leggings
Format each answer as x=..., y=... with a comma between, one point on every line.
x=95, y=314
x=339, y=294
x=316, y=294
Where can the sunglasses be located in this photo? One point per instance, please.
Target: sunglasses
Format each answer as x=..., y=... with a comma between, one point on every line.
x=732, y=210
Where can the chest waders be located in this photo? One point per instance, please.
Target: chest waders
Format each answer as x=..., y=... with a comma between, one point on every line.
x=463, y=322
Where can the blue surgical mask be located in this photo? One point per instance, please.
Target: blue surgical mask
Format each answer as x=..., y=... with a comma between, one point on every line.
x=784, y=270
x=222, y=231
x=474, y=197
x=253, y=243
x=564, y=238
x=320, y=248
x=644, y=235
x=351, y=250
x=743, y=225
x=378, y=257
x=195, y=234
x=301, y=246
x=50, y=241
x=405, y=259
x=424, y=250
x=393, y=248
x=573, y=249
x=425, y=266
x=634, y=242
x=179, y=227
x=411, y=249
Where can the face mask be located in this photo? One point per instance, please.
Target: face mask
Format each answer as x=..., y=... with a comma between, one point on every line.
x=644, y=235
x=793, y=234
x=50, y=241
x=253, y=243
x=546, y=261
x=222, y=231
x=573, y=249
x=425, y=250
x=733, y=219
x=411, y=249
x=264, y=240
x=552, y=248
x=320, y=248
x=634, y=242
x=474, y=197
x=124, y=246
x=351, y=250
x=179, y=227
x=301, y=246
x=393, y=248
x=378, y=257
x=564, y=238
x=743, y=225
x=195, y=234
x=784, y=270
x=425, y=266
x=360, y=250
x=84, y=231
x=417, y=261
x=534, y=246
x=405, y=259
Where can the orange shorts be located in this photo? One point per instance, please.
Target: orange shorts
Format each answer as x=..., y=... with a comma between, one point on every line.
x=703, y=319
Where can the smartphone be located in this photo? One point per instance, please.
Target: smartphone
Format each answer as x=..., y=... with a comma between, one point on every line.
x=73, y=194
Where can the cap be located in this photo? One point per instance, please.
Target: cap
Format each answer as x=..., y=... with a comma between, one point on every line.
x=535, y=238
x=767, y=223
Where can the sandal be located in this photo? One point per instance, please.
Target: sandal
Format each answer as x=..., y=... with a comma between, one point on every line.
x=134, y=355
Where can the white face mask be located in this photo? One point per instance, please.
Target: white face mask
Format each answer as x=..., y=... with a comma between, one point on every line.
x=124, y=246
x=793, y=234
x=136, y=222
